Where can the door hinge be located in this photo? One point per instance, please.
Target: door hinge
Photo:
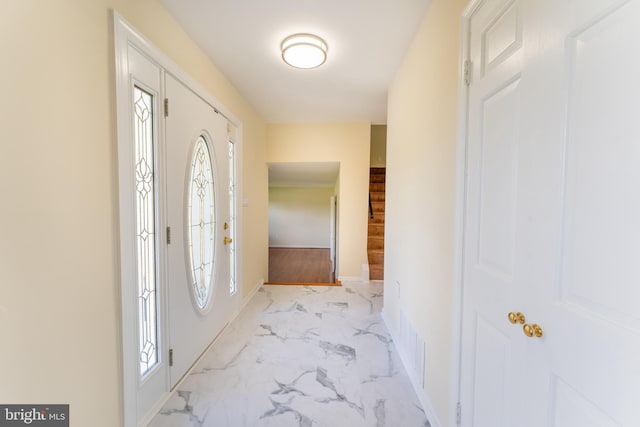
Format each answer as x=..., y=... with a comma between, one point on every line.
x=170, y=357
x=166, y=107
x=459, y=414
x=168, y=235
x=467, y=72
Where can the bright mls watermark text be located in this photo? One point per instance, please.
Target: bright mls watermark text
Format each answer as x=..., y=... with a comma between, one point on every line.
x=34, y=415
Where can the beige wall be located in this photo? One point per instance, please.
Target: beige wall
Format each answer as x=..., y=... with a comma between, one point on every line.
x=348, y=144
x=420, y=193
x=378, y=157
x=59, y=300
x=300, y=217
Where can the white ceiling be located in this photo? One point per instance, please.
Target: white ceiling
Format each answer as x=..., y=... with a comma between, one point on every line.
x=306, y=174
x=367, y=41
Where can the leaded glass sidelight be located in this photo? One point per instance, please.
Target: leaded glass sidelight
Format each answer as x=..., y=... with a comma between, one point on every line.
x=145, y=230
x=201, y=217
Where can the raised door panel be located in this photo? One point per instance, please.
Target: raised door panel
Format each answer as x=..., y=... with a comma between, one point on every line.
x=573, y=409
x=502, y=37
x=602, y=232
x=493, y=369
x=498, y=180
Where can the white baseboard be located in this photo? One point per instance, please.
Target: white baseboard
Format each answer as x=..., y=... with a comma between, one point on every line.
x=350, y=278
x=299, y=247
x=246, y=299
x=425, y=402
x=364, y=272
x=146, y=420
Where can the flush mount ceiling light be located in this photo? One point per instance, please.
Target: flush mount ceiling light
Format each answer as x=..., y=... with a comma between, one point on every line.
x=304, y=51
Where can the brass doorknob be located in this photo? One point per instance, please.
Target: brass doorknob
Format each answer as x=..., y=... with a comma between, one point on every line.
x=516, y=317
x=227, y=240
x=532, y=330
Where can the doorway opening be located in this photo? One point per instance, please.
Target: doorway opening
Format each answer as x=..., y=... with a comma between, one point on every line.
x=303, y=222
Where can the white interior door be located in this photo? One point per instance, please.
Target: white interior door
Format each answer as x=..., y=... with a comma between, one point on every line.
x=492, y=285
x=551, y=215
x=200, y=301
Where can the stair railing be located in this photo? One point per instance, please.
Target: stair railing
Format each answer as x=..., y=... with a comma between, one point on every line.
x=370, y=207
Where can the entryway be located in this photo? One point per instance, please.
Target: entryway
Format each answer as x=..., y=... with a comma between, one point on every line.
x=303, y=222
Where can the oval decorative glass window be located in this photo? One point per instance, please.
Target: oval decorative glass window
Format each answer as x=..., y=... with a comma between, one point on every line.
x=201, y=217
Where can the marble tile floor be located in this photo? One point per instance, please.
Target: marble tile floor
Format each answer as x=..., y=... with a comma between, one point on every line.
x=300, y=356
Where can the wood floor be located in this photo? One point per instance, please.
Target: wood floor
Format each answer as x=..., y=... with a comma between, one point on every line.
x=300, y=266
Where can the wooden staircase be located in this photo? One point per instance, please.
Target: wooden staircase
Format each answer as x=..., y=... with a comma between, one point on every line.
x=375, y=240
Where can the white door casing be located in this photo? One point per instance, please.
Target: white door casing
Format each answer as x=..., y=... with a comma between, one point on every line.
x=551, y=214
x=332, y=235
x=140, y=63
x=192, y=329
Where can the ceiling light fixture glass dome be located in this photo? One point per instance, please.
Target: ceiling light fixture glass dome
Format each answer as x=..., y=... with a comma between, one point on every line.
x=304, y=51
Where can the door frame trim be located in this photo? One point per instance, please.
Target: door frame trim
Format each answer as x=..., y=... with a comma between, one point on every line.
x=459, y=212
x=125, y=35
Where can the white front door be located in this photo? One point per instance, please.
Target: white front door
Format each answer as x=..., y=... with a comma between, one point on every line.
x=200, y=301
x=552, y=212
